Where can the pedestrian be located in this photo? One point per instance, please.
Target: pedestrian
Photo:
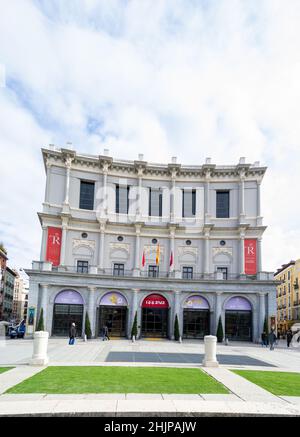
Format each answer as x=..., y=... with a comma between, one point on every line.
x=105, y=333
x=289, y=336
x=72, y=333
x=264, y=339
x=272, y=339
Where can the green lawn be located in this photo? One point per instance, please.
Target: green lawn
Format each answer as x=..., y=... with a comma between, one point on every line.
x=92, y=379
x=5, y=369
x=278, y=383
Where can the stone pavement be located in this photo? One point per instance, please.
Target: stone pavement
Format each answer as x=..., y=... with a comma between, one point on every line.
x=245, y=398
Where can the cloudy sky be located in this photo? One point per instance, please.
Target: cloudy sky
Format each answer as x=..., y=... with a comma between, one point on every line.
x=190, y=78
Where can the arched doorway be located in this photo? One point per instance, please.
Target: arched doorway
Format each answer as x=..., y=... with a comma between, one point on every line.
x=68, y=308
x=238, y=319
x=155, y=315
x=113, y=314
x=195, y=317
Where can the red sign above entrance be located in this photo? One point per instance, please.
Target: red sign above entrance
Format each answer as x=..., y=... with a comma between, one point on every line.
x=250, y=257
x=155, y=301
x=53, y=245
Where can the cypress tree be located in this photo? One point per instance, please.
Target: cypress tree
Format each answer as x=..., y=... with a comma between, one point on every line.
x=176, y=329
x=220, y=332
x=134, y=326
x=40, y=325
x=88, y=331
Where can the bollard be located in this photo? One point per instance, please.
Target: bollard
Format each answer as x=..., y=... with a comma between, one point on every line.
x=210, y=346
x=40, y=345
x=133, y=339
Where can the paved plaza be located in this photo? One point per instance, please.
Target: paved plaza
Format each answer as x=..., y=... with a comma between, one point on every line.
x=245, y=398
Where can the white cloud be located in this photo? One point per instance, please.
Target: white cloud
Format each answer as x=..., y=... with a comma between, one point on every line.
x=186, y=78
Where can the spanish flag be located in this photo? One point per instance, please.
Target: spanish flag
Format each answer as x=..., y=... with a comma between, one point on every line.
x=157, y=254
x=143, y=259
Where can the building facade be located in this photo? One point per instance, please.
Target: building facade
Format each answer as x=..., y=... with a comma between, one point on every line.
x=8, y=293
x=121, y=238
x=288, y=301
x=19, y=297
x=3, y=261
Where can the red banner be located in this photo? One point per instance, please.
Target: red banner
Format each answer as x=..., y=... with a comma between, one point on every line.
x=155, y=301
x=250, y=257
x=53, y=245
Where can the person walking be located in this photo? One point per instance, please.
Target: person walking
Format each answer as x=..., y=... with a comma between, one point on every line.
x=264, y=339
x=105, y=333
x=272, y=339
x=72, y=333
x=289, y=336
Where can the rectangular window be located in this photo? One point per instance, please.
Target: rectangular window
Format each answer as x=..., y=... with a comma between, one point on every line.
x=222, y=207
x=224, y=271
x=188, y=203
x=122, y=199
x=87, y=190
x=187, y=272
x=155, y=202
x=118, y=269
x=289, y=275
x=82, y=266
x=153, y=271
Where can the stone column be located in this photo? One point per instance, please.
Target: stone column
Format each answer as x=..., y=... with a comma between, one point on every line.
x=91, y=309
x=206, y=255
x=206, y=197
x=259, y=255
x=173, y=197
x=67, y=186
x=44, y=243
x=262, y=312
x=139, y=194
x=44, y=304
x=101, y=248
x=137, y=249
x=242, y=254
x=63, y=242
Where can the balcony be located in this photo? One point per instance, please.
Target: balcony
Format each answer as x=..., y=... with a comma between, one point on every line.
x=47, y=267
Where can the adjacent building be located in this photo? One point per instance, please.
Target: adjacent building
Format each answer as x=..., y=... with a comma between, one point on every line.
x=8, y=293
x=3, y=262
x=123, y=238
x=19, y=297
x=288, y=301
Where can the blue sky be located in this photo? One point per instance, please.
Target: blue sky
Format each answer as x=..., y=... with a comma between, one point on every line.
x=192, y=79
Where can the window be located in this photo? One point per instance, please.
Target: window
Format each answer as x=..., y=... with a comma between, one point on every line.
x=155, y=202
x=224, y=271
x=222, y=207
x=86, y=195
x=118, y=269
x=187, y=272
x=188, y=203
x=122, y=199
x=153, y=271
x=289, y=275
x=82, y=266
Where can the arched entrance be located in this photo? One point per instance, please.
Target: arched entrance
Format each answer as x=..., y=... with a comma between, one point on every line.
x=238, y=319
x=155, y=314
x=68, y=308
x=195, y=317
x=113, y=314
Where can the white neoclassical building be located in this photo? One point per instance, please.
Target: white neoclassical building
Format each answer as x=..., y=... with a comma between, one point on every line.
x=121, y=238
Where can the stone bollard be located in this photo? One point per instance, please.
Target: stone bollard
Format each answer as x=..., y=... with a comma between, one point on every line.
x=40, y=345
x=210, y=346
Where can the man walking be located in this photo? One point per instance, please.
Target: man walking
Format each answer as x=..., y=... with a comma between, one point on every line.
x=105, y=333
x=72, y=334
x=272, y=339
x=289, y=336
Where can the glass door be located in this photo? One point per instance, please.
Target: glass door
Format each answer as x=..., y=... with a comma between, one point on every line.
x=238, y=325
x=154, y=322
x=195, y=323
x=114, y=318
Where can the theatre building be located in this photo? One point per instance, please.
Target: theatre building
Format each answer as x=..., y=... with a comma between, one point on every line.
x=121, y=238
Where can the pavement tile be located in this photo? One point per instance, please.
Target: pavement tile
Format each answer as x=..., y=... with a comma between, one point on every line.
x=221, y=397
x=22, y=397
x=180, y=396
x=143, y=396
x=159, y=407
x=292, y=399
x=86, y=406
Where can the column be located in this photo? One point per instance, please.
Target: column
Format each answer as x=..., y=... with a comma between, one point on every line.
x=258, y=199
x=206, y=255
x=259, y=255
x=218, y=312
x=63, y=243
x=139, y=195
x=242, y=197
x=262, y=313
x=105, y=172
x=101, y=248
x=137, y=250
x=44, y=243
x=207, y=203
x=91, y=309
x=44, y=304
x=173, y=197
x=242, y=254
x=172, y=249
x=47, y=189
x=67, y=186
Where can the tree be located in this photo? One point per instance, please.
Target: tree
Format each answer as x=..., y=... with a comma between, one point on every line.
x=87, y=328
x=266, y=329
x=134, y=326
x=2, y=248
x=40, y=325
x=220, y=332
x=176, y=329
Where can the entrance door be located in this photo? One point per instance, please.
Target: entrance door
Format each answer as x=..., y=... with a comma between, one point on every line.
x=115, y=319
x=238, y=325
x=154, y=322
x=195, y=323
x=64, y=315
